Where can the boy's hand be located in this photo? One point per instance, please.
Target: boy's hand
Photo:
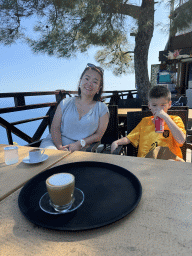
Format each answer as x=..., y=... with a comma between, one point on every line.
x=177, y=133
x=114, y=145
x=160, y=113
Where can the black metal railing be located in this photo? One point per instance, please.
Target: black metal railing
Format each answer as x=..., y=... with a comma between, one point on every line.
x=20, y=105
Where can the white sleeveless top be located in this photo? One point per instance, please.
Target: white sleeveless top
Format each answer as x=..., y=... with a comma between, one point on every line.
x=73, y=129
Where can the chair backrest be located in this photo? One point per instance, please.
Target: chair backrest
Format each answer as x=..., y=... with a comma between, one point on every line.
x=111, y=134
x=129, y=103
x=145, y=108
x=181, y=101
x=114, y=99
x=133, y=118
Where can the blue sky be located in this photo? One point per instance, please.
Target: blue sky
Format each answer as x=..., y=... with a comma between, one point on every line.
x=22, y=70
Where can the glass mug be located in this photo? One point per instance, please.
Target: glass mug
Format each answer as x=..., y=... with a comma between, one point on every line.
x=60, y=188
x=11, y=155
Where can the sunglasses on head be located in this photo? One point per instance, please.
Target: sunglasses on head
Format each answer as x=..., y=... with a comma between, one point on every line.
x=93, y=66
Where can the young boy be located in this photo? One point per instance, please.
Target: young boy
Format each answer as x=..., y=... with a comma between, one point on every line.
x=144, y=135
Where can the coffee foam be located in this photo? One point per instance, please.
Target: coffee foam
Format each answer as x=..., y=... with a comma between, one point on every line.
x=61, y=179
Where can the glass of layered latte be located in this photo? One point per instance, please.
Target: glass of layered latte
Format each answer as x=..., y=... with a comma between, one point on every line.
x=60, y=188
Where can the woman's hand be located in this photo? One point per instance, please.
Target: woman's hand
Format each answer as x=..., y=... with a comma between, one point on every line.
x=73, y=146
x=62, y=148
x=114, y=145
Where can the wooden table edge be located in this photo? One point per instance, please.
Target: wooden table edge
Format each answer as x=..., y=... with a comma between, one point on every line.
x=21, y=185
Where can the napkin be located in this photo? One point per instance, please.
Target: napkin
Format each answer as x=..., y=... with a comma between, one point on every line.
x=163, y=153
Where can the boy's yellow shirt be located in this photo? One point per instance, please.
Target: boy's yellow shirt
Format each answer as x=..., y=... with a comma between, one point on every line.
x=145, y=136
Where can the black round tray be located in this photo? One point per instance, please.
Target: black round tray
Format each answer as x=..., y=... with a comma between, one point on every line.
x=111, y=192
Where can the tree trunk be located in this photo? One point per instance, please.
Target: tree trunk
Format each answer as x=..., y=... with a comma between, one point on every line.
x=142, y=42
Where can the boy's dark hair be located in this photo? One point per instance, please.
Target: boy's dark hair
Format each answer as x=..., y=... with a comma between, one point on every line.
x=159, y=91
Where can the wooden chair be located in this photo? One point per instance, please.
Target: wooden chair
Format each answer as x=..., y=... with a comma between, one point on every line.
x=129, y=103
x=112, y=132
x=133, y=118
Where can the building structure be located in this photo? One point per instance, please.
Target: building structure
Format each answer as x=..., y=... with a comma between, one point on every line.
x=175, y=69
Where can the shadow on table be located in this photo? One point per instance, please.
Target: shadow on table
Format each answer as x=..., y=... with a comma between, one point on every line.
x=25, y=229
x=45, y=164
x=2, y=165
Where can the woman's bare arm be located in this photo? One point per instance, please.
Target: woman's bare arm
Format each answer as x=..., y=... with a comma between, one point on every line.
x=56, y=128
x=103, y=123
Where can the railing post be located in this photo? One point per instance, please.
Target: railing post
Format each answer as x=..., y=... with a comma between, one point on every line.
x=114, y=98
x=9, y=136
x=60, y=96
x=19, y=100
x=130, y=95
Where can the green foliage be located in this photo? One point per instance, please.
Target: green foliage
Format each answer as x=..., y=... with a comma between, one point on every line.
x=66, y=27
x=83, y=19
x=116, y=57
x=181, y=18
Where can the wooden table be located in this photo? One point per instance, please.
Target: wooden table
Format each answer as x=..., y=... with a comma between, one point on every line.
x=190, y=114
x=15, y=176
x=122, y=112
x=160, y=225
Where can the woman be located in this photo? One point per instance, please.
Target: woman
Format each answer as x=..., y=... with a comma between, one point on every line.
x=82, y=120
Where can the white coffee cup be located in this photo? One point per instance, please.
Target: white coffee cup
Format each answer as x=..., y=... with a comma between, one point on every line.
x=36, y=155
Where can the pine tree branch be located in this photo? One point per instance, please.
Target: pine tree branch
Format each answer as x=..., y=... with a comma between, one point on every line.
x=131, y=10
x=126, y=9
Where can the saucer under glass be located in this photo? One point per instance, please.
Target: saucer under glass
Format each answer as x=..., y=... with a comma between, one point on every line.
x=45, y=205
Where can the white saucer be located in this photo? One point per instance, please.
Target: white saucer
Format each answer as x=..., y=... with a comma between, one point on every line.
x=44, y=158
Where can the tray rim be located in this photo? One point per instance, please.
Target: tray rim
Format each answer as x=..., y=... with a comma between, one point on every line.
x=93, y=226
